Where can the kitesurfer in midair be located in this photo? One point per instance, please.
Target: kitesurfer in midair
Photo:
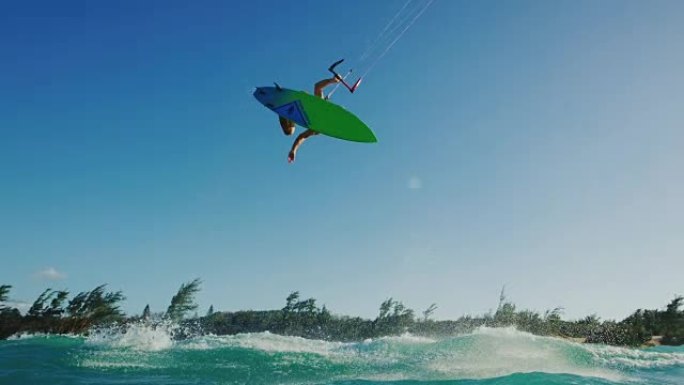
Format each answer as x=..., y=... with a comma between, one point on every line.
x=288, y=126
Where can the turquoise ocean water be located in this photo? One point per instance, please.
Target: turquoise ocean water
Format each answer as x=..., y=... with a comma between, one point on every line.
x=146, y=355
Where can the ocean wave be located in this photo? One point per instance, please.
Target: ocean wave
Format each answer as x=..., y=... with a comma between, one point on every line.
x=484, y=354
x=140, y=336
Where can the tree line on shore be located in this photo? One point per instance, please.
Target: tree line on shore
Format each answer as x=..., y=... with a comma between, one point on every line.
x=53, y=312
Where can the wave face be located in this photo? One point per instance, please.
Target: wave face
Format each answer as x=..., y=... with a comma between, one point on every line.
x=149, y=355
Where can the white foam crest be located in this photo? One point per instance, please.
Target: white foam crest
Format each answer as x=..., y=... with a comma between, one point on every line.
x=406, y=338
x=494, y=352
x=27, y=336
x=634, y=358
x=384, y=351
x=105, y=364
x=285, y=344
x=504, y=332
x=264, y=341
x=138, y=336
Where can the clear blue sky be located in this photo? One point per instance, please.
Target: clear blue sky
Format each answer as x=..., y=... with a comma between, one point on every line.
x=533, y=144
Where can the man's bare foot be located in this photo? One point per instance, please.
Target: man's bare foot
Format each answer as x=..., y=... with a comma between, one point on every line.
x=291, y=157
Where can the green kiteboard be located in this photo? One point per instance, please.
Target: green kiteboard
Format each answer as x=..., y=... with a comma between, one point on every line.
x=315, y=113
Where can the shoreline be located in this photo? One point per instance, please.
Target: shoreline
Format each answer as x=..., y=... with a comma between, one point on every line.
x=653, y=342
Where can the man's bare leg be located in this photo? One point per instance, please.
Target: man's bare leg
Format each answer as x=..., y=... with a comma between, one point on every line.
x=288, y=126
x=295, y=146
x=318, y=88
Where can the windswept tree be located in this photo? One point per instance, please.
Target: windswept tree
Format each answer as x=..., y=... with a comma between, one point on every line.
x=505, y=315
x=184, y=300
x=394, y=317
x=385, y=308
x=635, y=326
x=427, y=313
x=94, y=307
x=391, y=309
x=591, y=320
x=673, y=322
x=38, y=307
x=10, y=318
x=291, y=301
x=4, y=293
x=306, y=306
x=324, y=315
x=146, y=314
x=57, y=300
x=505, y=312
x=210, y=312
x=76, y=307
x=103, y=306
x=301, y=317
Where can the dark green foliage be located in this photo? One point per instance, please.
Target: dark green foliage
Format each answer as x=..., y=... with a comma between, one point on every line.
x=291, y=301
x=38, y=307
x=4, y=292
x=673, y=322
x=10, y=322
x=96, y=305
x=641, y=326
x=394, y=318
x=48, y=314
x=10, y=318
x=93, y=308
x=55, y=309
x=636, y=331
